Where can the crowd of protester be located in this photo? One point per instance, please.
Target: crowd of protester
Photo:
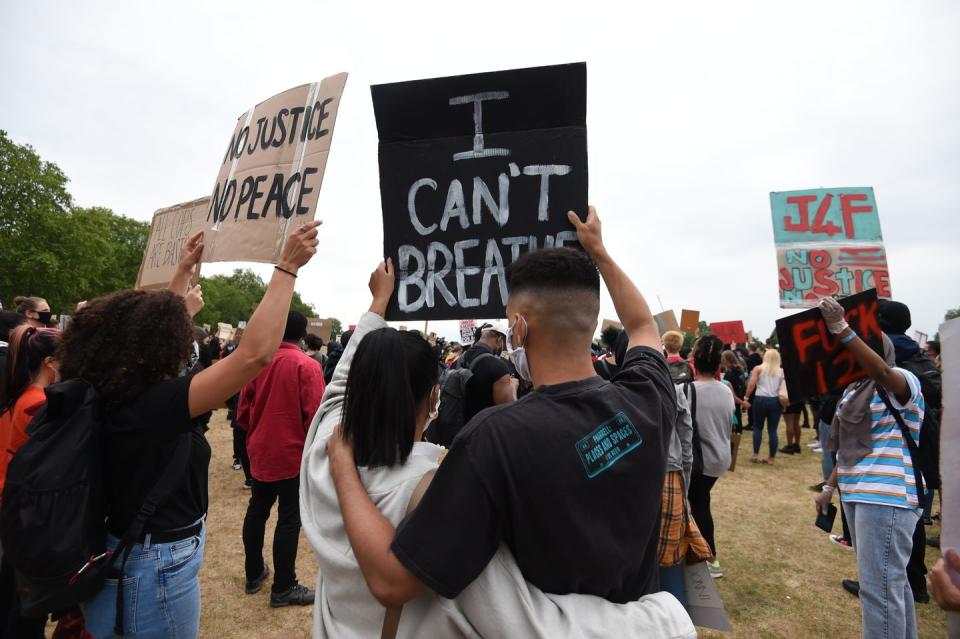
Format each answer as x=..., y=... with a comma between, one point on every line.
x=532, y=482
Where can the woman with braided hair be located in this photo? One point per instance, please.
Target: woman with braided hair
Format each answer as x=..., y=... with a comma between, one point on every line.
x=711, y=404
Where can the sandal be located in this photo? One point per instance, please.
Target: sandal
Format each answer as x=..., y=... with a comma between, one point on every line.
x=754, y=460
x=768, y=461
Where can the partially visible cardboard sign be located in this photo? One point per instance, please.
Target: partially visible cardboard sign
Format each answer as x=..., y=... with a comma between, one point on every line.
x=270, y=176
x=608, y=323
x=322, y=328
x=475, y=170
x=814, y=362
x=704, y=604
x=689, y=321
x=467, y=327
x=169, y=231
x=828, y=243
x=920, y=338
x=729, y=332
x=225, y=332
x=950, y=452
x=666, y=321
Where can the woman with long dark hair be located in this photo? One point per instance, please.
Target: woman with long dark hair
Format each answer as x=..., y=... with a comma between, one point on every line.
x=31, y=366
x=712, y=406
x=133, y=348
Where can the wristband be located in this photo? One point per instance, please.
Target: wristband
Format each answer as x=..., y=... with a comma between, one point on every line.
x=283, y=270
x=849, y=338
x=829, y=489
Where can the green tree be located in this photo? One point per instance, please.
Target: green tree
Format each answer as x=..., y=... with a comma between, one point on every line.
x=230, y=298
x=335, y=328
x=51, y=248
x=953, y=313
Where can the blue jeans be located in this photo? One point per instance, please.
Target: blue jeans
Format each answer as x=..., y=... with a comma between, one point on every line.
x=161, y=595
x=883, y=539
x=769, y=409
x=827, y=461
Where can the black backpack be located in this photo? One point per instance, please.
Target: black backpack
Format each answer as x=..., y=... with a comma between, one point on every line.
x=53, y=520
x=931, y=385
x=680, y=372
x=451, y=414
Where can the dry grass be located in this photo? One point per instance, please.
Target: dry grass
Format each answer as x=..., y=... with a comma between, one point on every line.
x=782, y=575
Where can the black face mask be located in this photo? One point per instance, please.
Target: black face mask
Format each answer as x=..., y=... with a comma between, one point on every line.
x=44, y=317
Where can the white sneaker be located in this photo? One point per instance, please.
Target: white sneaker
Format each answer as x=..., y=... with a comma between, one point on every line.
x=817, y=450
x=813, y=445
x=714, y=568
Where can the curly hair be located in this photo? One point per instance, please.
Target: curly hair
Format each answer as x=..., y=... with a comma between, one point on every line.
x=125, y=342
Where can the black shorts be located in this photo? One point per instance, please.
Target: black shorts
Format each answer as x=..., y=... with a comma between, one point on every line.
x=793, y=409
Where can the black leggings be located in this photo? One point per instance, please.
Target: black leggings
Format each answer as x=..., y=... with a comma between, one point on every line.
x=699, y=498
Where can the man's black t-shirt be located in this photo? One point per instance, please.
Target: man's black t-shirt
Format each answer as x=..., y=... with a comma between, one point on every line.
x=478, y=393
x=139, y=442
x=569, y=477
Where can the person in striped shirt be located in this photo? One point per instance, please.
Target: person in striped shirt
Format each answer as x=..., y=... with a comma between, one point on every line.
x=875, y=477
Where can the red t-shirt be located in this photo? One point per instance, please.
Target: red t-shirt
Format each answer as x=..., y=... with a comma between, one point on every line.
x=276, y=409
x=13, y=424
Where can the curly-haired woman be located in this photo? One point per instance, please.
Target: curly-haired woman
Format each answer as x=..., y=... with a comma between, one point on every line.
x=132, y=346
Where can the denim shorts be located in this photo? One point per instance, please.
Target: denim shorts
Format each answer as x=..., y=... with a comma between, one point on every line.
x=161, y=592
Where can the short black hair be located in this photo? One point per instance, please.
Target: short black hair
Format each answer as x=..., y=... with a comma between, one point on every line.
x=345, y=338
x=391, y=374
x=553, y=269
x=9, y=321
x=707, y=352
x=934, y=346
x=313, y=342
x=296, y=327
x=893, y=317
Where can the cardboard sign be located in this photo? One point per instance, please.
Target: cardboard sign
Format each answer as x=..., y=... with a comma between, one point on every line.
x=814, y=362
x=269, y=178
x=225, y=332
x=689, y=321
x=607, y=323
x=704, y=604
x=475, y=170
x=467, y=327
x=950, y=450
x=320, y=327
x=667, y=321
x=921, y=338
x=828, y=243
x=729, y=332
x=170, y=229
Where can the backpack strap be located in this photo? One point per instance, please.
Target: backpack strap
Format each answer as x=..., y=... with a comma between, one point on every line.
x=478, y=358
x=905, y=435
x=391, y=620
x=168, y=480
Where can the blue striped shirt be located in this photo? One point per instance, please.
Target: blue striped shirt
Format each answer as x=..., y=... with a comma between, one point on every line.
x=885, y=476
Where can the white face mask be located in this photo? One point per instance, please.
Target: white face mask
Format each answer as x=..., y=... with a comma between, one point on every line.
x=434, y=411
x=518, y=355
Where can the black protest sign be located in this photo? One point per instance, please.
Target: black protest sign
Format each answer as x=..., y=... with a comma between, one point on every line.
x=814, y=360
x=474, y=171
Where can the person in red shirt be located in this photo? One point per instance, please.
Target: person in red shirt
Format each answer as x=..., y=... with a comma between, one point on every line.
x=276, y=409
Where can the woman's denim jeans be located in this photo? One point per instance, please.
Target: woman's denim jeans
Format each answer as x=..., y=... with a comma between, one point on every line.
x=161, y=592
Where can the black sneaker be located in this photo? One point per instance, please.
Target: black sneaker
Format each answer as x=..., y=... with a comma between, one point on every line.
x=851, y=586
x=294, y=596
x=921, y=597
x=253, y=587
x=787, y=450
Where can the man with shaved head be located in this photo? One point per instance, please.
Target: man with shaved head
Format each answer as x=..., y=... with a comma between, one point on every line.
x=570, y=476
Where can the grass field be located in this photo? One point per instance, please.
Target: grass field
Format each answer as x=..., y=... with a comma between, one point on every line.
x=782, y=574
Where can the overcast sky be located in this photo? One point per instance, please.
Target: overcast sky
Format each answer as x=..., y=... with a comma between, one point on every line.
x=696, y=111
